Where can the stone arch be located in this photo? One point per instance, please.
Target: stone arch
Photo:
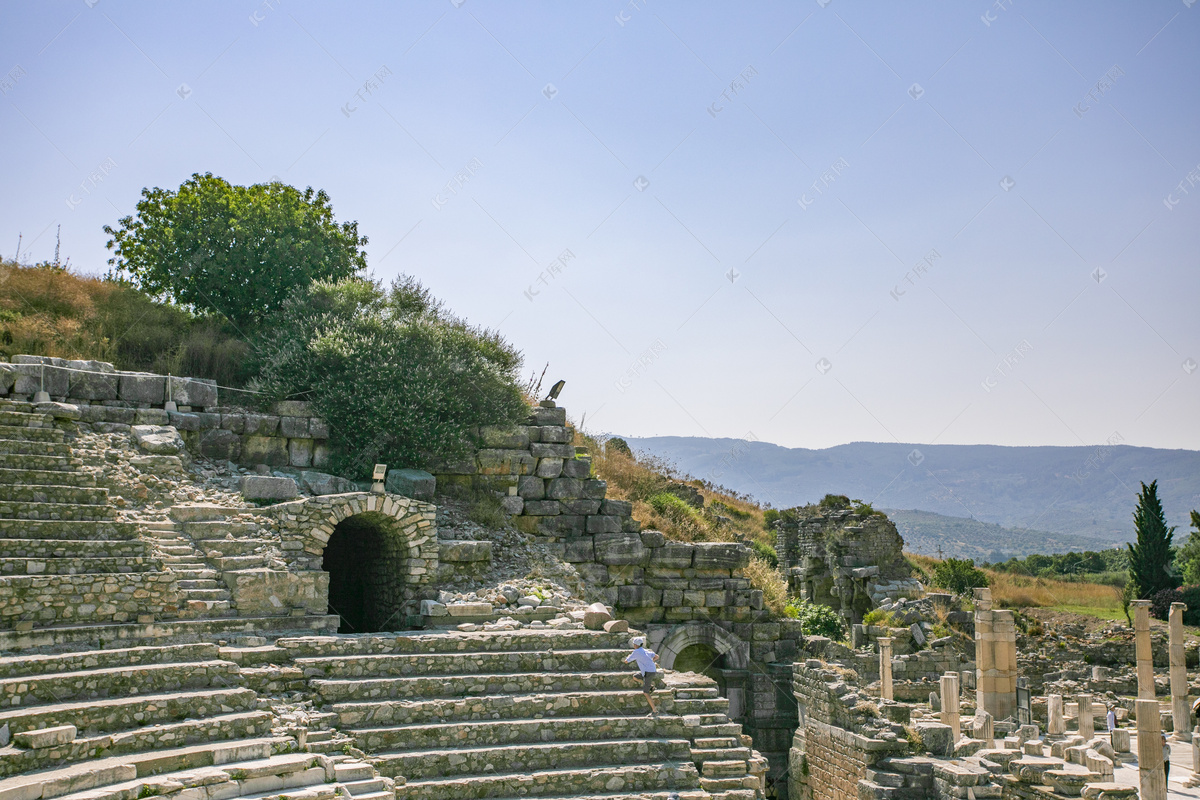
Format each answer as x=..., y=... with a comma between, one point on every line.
x=379, y=551
x=730, y=670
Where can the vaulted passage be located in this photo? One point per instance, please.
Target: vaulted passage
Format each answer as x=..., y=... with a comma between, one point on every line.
x=365, y=562
x=704, y=660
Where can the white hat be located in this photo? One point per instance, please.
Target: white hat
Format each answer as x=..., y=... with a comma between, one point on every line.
x=638, y=641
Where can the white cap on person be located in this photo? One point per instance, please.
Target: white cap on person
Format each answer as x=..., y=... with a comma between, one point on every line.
x=638, y=641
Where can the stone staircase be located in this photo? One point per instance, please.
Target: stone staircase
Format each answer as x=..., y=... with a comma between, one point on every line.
x=545, y=713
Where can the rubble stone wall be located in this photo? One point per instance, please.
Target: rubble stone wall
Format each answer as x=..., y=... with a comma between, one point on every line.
x=111, y=400
x=108, y=597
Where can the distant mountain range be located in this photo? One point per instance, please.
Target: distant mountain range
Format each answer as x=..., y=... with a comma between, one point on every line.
x=933, y=534
x=1051, y=498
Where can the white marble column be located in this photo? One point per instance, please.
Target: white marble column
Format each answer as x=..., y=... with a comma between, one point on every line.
x=1087, y=719
x=1152, y=780
x=1055, y=724
x=1145, y=658
x=885, y=667
x=950, y=703
x=1181, y=709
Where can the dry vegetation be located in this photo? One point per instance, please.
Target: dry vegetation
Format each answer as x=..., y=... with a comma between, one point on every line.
x=47, y=310
x=655, y=488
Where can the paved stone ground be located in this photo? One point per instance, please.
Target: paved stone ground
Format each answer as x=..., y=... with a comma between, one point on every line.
x=1181, y=770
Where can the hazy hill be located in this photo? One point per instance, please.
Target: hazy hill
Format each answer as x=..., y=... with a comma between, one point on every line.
x=934, y=534
x=1087, y=492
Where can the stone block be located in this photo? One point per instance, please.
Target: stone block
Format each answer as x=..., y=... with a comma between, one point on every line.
x=601, y=524
x=593, y=573
x=32, y=377
x=617, y=508
x=432, y=608
x=542, y=508
x=266, y=487
x=294, y=427
x=194, y=392
x=269, y=450
x=531, y=488
x=616, y=626
x=556, y=434
x=300, y=452
x=92, y=380
x=321, y=455
x=208, y=421
x=562, y=488
x=577, y=468
x=234, y=422
x=618, y=549
x=322, y=483
x=549, y=467
x=505, y=437
x=415, y=483
x=672, y=555
x=469, y=609
x=638, y=596
x=579, y=550
x=542, y=417
x=318, y=428
x=45, y=737
x=221, y=445
x=150, y=416
x=653, y=539
x=142, y=388
x=719, y=555
x=157, y=439
x=513, y=504
x=464, y=551
x=580, y=507
x=594, y=489
x=261, y=424
x=594, y=617
x=938, y=739
x=545, y=450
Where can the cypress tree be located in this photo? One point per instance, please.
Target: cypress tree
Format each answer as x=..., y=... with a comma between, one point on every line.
x=1150, y=557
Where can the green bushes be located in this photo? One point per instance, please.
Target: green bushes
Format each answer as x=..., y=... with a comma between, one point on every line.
x=877, y=616
x=398, y=379
x=816, y=619
x=959, y=575
x=765, y=552
x=672, y=506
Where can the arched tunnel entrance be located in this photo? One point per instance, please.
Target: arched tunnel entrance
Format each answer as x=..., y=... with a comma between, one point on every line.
x=703, y=659
x=366, y=564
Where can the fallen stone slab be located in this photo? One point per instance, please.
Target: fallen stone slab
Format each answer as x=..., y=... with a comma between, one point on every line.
x=161, y=440
x=616, y=626
x=415, y=483
x=469, y=609
x=595, y=615
x=45, y=737
x=265, y=487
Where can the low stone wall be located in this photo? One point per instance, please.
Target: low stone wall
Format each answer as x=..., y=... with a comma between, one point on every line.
x=827, y=761
x=111, y=597
x=110, y=400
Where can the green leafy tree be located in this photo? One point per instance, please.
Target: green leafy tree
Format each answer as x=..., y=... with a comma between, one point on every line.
x=1150, y=556
x=1187, y=559
x=235, y=250
x=398, y=379
x=959, y=575
x=817, y=620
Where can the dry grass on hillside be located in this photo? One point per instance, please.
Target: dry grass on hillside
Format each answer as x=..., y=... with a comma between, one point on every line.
x=1023, y=591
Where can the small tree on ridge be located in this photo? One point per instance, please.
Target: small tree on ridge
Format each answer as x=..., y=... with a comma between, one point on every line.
x=1151, y=555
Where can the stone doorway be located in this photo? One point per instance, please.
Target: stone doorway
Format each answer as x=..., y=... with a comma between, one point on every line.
x=703, y=659
x=366, y=565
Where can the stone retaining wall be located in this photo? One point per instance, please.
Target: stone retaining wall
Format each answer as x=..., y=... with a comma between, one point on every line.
x=110, y=597
x=111, y=400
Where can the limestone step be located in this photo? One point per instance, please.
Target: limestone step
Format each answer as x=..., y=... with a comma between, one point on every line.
x=366, y=786
x=494, y=733
x=719, y=786
x=426, y=687
x=227, y=563
x=206, y=609
x=668, y=794
x=73, y=548
x=81, y=564
x=715, y=742
x=597, y=778
x=10, y=476
x=464, y=663
x=427, y=764
x=28, y=461
x=33, y=448
x=212, y=593
x=218, y=529
x=511, y=707
x=25, y=665
x=453, y=642
x=11, y=509
x=128, y=777
x=721, y=753
x=723, y=769
x=126, y=680
x=180, y=549
x=352, y=771
x=223, y=727
x=255, y=656
x=229, y=547
x=25, y=419
x=67, y=529
x=29, y=433
x=120, y=713
x=192, y=573
x=177, y=631
x=53, y=493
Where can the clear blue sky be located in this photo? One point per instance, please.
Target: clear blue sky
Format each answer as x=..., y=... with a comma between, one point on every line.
x=808, y=222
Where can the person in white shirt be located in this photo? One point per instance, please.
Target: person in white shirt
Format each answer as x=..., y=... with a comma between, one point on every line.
x=646, y=663
x=1112, y=719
